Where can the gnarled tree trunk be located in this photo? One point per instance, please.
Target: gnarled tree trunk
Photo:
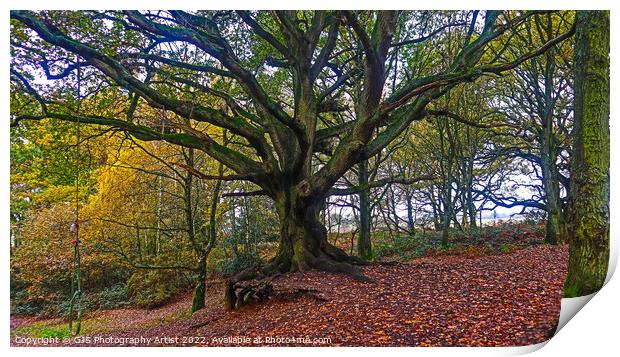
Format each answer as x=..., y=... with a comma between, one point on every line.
x=303, y=245
x=303, y=239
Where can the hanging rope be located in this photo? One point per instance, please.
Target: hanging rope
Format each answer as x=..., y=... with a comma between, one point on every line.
x=76, y=275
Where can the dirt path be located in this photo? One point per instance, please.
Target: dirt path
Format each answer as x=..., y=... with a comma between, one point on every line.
x=496, y=300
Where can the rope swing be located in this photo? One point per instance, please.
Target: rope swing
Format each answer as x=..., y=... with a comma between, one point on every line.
x=76, y=274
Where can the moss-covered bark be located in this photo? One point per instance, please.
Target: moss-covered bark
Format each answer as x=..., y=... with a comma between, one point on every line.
x=303, y=239
x=198, y=301
x=589, y=196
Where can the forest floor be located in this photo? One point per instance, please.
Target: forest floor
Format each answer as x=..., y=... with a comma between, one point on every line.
x=469, y=299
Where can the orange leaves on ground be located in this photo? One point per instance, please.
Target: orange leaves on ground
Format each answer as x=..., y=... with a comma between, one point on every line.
x=495, y=300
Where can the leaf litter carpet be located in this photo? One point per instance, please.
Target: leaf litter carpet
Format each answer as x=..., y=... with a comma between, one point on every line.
x=463, y=300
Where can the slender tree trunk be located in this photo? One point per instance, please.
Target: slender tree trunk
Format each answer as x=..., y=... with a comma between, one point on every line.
x=445, y=220
x=471, y=210
x=457, y=224
x=410, y=217
x=392, y=209
x=364, y=245
x=589, y=187
x=548, y=153
x=446, y=173
x=247, y=243
x=552, y=192
x=159, y=204
x=564, y=225
x=469, y=182
x=436, y=218
x=139, y=244
x=201, y=288
x=550, y=176
x=463, y=199
x=447, y=209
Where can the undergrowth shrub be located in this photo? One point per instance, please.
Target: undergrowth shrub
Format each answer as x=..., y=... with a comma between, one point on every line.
x=109, y=298
x=152, y=288
x=238, y=263
x=20, y=304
